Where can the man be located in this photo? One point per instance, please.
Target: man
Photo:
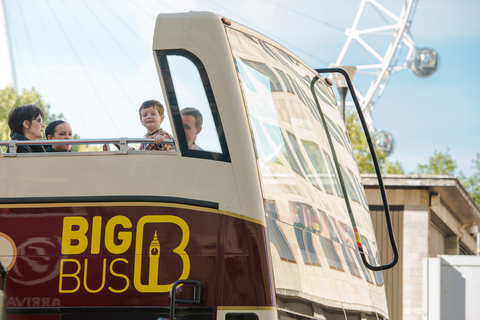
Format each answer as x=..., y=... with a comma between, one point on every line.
x=192, y=121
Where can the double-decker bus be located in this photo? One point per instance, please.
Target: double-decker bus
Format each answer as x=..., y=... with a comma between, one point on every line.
x=253, y=224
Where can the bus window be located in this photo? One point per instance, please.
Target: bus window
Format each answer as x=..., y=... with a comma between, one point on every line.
x=241, y=316
x=197, y=122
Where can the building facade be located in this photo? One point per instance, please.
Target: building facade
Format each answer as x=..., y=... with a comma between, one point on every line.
x=431, y=216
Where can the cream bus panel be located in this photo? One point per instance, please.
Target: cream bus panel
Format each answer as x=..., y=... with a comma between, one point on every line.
x=117, y=175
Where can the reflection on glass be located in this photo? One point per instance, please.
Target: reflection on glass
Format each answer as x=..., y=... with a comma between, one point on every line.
x=287, y=83
x=269, y=140
x=311, y=252
x=275, y=234
x=352, y=266
x=298, y=152
x=351, y=243
x=262, y=68
x=190, y=92
x=301, y=244
x=333, y=129
x=359, y=189
x=334, y=176
x=373, y=261
x=328, y=245
x=350, y=189
x=313, y=152
x=305, y=222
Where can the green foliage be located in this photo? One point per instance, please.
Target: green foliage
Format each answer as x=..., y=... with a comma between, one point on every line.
x=438, y=164
x=9, y=98
x=472, y=183
x=441, y=163
x=362, y=152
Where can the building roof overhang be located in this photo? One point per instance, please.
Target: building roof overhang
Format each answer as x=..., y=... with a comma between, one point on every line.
x=451, y=192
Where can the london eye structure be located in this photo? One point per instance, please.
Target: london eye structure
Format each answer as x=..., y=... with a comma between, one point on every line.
x=378, y=44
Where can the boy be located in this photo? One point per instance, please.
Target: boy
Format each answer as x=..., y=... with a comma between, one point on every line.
x=151, y=116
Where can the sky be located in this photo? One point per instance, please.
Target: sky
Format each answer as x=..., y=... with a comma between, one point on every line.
x=92, y=61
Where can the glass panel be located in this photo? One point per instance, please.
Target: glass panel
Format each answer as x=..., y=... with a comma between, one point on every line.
x=350, y=189
x=311, y=251
x=351, y=243
x=373, y=261
x=313, y=152
x=269, y=139
x=333, y=175
x=298, y=152
x=301, y=244
x=305, y=222
x=352, y=266
x=359, y=189
x=275, y=234
x=190, y=93
x=241, y=316
x=328, y=244
x=285, y=80
x=282, y=241
x=261, y=67
x=334, y=131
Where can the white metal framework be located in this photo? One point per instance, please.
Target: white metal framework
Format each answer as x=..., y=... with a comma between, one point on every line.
x=7, y=75
x=382, y=65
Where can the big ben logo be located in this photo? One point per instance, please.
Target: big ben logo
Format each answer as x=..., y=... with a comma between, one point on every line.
x=154, y=258
x=153, y=284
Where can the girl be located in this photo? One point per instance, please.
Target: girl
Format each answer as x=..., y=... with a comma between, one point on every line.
x=58, y=130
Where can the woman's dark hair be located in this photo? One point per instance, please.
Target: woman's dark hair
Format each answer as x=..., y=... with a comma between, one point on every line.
x=21, y=113
x=50, y=130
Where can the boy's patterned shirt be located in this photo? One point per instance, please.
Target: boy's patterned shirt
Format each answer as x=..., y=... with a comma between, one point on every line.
x=153, y=146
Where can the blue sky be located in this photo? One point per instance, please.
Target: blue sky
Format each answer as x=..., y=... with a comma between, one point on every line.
x=92, y=61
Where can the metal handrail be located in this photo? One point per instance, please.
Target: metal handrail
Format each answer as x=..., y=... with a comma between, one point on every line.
x=375, y=163
x=121, y=142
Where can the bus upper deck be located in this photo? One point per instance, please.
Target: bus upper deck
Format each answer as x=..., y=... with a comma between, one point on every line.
x=257, y=216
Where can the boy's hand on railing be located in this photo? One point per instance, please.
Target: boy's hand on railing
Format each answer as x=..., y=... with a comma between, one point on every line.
x=158, y=139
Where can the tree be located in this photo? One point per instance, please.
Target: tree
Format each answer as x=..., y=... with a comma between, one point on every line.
x=362, y=152
x=438, y=164
x=441, y=163
x=472, y=184
x=9, y=98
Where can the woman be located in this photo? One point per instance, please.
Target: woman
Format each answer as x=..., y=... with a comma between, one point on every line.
x=58, y=130
x=26, y=123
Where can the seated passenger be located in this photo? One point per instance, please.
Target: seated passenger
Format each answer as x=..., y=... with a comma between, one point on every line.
x=151, y=116
x=26, y=123
x=192, y=121
x=58, y=130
